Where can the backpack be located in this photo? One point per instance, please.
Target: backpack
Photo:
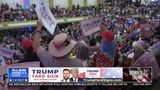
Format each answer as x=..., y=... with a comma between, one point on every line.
x=103, y=60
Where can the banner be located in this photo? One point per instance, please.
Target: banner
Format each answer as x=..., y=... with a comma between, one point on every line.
x=6, y=52
x=60, y=75
x=45, y=15
x=91, y=26
x=79, y=76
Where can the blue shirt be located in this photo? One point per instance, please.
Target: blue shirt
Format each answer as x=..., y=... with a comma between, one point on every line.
x=109, y=49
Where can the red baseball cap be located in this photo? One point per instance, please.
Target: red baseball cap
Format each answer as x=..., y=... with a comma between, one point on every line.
x=26, y=43
x=108, y=35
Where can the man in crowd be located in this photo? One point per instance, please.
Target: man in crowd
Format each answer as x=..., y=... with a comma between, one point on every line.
x=58, y=55
x=29, y=53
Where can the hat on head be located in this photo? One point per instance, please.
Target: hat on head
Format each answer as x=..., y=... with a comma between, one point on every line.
x=108, y=35
x=61, y=45
x=26, y=43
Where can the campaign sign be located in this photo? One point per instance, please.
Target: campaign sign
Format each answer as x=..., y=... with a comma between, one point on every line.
x=17, y=75
x=145, y=2
x=45, y=15
x=92, y=73
x=37, y=74
x=91, y=26
x=6, y=52
x=2, y=61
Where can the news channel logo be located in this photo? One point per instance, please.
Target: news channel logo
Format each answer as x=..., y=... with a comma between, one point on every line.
x=18, y=75
x=137, y=74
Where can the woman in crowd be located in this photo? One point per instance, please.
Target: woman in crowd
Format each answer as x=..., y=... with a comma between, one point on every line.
x=138, y=49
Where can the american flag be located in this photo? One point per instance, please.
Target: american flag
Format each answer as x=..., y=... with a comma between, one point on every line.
x=111, y=73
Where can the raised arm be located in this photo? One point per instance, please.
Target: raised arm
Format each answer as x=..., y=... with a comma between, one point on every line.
x=37, y=37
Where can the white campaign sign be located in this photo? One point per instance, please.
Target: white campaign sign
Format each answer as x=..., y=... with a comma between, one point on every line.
x=2, y=61
x=45, y=15
x=145, y=2
x=91, y=26
x=6, y=52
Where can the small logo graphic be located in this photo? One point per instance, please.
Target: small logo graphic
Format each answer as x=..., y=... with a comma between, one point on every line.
x=139, y=74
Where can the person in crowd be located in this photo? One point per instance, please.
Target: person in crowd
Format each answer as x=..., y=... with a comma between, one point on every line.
x=93, y=41
x=105, y=52
x=70, y=48
x=149, y=59
x=156, y=40
x=59, y=48
x=29, y=53
x=108, y=44
x=82, y=52
x=138, y=49
x=58, y=54
x=156, y=36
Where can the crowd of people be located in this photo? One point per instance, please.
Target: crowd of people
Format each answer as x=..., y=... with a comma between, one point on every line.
x=18, y=13
x=76, y=11
x=129, y=37
x=21, y=14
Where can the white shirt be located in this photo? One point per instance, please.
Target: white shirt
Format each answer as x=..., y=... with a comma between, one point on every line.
x=75, y=79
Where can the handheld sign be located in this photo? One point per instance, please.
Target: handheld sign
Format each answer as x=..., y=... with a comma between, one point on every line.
x=6, y=52
x=91, y=26
x=2, y=61
x=45, y=15
x=145, y=2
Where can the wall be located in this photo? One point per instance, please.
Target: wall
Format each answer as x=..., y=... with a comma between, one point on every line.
x=61, y=3
x=80, y=2
x=33, y=1
x=101, y=1
x=92, y=2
